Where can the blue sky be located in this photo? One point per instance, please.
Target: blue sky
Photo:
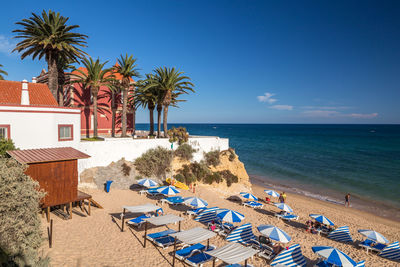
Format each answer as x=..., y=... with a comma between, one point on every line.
x=251, y=61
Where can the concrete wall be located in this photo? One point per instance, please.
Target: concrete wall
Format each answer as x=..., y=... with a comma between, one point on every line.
x=37, y=127
x=113, y=149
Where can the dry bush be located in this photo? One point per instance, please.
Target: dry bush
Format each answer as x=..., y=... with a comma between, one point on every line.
x=154, y=162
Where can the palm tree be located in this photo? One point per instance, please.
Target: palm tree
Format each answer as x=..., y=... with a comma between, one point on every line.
x=95, y=77
x=127, y=68
x=173, y=83
x=2, y=72
x=50, y=37
x=114, y=96
x=146, y=99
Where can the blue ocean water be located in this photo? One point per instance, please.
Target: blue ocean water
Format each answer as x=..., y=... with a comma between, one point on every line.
x=361, y=159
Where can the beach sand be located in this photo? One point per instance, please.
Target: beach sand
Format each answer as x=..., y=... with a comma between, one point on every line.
x=96, y=240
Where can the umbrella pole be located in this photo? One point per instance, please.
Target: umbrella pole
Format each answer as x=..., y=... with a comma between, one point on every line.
x=173, y=255
x=145, y=234
x=208, y=243
x=245, y=263
x=179, y=227
x=214, y=262
x=123, y=220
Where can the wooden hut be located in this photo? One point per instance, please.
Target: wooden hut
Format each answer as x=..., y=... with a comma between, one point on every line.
x=56, y=170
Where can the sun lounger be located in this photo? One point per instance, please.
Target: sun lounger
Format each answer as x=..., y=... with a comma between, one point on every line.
x=253, y=204
x=138, y=221
x=371, y=245
x=187, y=252
x=226, y=228
x=291, y=256
x=195, y=211
x=200, y=258
x=244, y=235
x=153, y=236
x=290, y=217
x=172, y=200
x=165, y=241
x=323, y=264
x=266, y=253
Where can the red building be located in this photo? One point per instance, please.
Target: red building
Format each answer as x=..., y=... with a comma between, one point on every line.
x=82, y=98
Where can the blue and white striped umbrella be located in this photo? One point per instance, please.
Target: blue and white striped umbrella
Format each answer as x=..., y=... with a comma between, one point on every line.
x=274, y=233
x=283, y=207
x=230, y=216
x=147, y=182
x=168, y=190
x=195, y=202
x=374, y=236
x=321, y=219
x=248, y=196
x=272, y=193
x=334, y=256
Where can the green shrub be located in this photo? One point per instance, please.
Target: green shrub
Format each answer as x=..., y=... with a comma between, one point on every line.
x=232, y=154
x=213, y=177
x=229, y=177
x=179, y=177
x=200, y=170
x=212, y=158
x=20, y=225
x=6, y=144
x=126, y=169
x=185, y=151
x=179, y=135
x=154, y=162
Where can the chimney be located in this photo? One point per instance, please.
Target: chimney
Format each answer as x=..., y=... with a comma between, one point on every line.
x=24, y=93
x=33, y=79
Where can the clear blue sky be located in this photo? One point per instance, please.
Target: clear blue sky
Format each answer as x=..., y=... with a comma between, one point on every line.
x=251, y=61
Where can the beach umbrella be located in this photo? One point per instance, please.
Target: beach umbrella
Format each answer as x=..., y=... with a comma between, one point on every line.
x=374, y=236
x=168, y=190
x=274, y=233
x=283, y=207
x=230, y=216
x=147, y=182
x=334, y=256
x=272, y=193
x=321, y=219
x=248, y=196
x=195, y=202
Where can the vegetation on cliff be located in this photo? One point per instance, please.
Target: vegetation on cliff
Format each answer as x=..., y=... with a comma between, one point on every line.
x=154, y=162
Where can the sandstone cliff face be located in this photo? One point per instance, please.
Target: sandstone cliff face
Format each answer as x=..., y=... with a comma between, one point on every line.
x=235, y=166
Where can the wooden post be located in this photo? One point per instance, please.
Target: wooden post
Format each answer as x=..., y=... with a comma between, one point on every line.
x=123, y=220
x=173, y=255
x=50, y=233
x=214, y=262
x=89, y=204
x=70, y=210
x=179, y=227
x=208, y=243
x=145, y=234
x=48, y=214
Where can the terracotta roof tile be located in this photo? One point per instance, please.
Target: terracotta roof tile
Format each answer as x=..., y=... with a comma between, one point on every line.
x=39, y=94
x=47, y=154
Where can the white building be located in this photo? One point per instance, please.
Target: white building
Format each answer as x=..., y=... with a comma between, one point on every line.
x=30, y=116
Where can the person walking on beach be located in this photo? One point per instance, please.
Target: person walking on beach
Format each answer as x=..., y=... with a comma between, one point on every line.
x=284, y=197
x=281, y=198
x=347, y=200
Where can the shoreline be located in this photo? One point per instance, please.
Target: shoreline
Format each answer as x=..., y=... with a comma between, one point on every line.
x=368, y=207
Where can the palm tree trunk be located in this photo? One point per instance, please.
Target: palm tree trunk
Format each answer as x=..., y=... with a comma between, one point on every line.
x=124, y=108
x=159, y=109
x=165, y=121
x=53, y=75
x=133, y=121
x=87, y=116
x=95, y=115
x=60, y=96
x=151, y=111
x=113, y=113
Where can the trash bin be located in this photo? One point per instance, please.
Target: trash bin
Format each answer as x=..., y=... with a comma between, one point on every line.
x=108, y=185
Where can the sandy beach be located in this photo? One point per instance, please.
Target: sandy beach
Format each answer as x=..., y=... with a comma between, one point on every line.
x=97, y=240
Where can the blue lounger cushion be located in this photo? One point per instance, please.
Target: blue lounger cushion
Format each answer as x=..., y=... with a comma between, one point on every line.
x=253, y=203
x=323, y=264
x=165, y=241
x=198, y=259
x=160, y=234
x=138, y=220
x=188, y=251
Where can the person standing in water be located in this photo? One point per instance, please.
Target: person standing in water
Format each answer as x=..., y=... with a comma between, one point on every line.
x=347, y=200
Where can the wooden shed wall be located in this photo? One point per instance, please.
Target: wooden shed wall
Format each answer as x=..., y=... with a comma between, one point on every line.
x=59, y=179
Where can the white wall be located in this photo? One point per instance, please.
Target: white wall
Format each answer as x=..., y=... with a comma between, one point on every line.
x=37, y=127
x=113, y=149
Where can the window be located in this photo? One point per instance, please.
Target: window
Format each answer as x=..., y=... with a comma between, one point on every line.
x=65, y=132
x=5, y=131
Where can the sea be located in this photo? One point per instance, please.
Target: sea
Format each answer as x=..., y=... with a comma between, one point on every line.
x=323, y=161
